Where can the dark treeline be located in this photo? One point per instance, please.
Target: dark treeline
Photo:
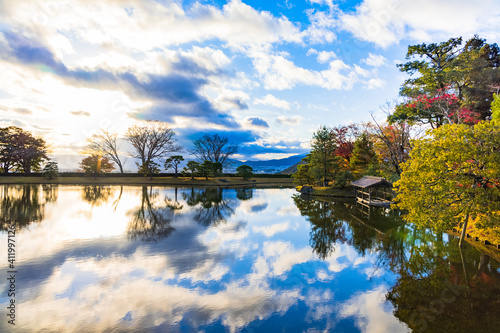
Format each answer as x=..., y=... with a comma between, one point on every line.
x=153, y=144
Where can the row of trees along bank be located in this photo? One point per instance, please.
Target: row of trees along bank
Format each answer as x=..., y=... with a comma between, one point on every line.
x=440, y=143
x=153, y=142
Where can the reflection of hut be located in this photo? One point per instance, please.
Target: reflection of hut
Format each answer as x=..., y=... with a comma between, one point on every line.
x=373, y=191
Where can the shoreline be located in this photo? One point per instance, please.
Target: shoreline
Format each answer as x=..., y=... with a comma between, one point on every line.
x=156, y=181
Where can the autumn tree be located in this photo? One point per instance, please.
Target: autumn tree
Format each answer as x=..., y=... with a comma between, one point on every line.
x=8, y=147
x=105, y=143
x=20, y=150
x=31, y=151
x=173, y=163
x=392, y=144
x=96, y=164
x=344, y=137
x=213, y=148
x=450, y=79
x=151, y=140
x=495, y=107
x=436, y=110
x=453, y=174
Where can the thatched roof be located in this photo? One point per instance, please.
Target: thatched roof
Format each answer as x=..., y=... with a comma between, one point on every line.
x=371, y=181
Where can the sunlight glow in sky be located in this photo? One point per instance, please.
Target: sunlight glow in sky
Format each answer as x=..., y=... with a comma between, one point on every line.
x=265, y=74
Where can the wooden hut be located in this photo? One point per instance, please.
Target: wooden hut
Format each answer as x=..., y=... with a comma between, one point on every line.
x=373, y=191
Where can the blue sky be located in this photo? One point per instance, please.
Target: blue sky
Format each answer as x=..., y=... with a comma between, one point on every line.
x=266, y=74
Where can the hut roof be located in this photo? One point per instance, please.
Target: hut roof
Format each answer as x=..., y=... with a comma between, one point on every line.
x=371, y=181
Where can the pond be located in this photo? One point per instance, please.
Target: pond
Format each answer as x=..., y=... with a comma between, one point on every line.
x=159, y=259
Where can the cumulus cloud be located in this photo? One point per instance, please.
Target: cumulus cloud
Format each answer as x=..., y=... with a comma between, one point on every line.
x=272, y=230
x=370, y=313
x=325, y=56
x=172, y=94
x=321, y=29
x=328, y=3
x=375, y=60
x=273, y=101
x=375, y=83
x=279, y=73
x=386, y=22
x=259, y=122
x=141, y=25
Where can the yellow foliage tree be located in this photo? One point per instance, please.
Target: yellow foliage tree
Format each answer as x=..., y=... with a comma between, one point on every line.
x=453, y=174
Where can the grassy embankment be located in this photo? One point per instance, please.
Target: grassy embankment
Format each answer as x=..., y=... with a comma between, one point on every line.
x=158, y=181
x=485, y=240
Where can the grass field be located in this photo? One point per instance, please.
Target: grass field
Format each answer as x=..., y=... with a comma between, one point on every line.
x=159, y=181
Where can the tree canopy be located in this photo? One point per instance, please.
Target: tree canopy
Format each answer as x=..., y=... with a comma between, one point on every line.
x=96, y=164
x=173, y=163
x=454, y=83
x=20, y=150
x=244, y=171
x=452, y=172
x=213, y=148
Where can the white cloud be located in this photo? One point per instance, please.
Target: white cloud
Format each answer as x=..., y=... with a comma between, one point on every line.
x=289, y=120
x=151, y=25
x=328, y=3
x=289, y=210
x=273, y=101
x=282, y=256
x=386, y=22
x=325, y=56
x=370, y=312
x=375, y=83
x=322, y=26
x=272, y=230
x=280, y=73
x=206, y=57
x=375, y=60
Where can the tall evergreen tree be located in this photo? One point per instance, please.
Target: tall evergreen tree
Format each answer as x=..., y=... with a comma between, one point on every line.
x=364, y=160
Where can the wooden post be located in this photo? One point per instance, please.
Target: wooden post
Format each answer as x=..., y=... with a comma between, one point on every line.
x=370, y=196
x=464, y=230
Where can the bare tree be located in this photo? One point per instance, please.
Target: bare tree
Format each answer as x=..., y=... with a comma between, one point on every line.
x=213, y=148
x=105, y=142
x=152, y=140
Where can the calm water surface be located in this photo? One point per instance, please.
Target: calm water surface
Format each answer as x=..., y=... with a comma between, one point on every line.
x=151, y=259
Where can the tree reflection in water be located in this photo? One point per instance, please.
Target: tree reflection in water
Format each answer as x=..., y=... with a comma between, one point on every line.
x=97, y=195
x=439, y=287
x=446, y=288
x=24, y=204
x=327, y=228
x=212, y=208
x=151, y=222
x=244, y=193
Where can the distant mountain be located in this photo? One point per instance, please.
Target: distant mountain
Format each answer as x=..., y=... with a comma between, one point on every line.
x=270, y=166
x=292, y=169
